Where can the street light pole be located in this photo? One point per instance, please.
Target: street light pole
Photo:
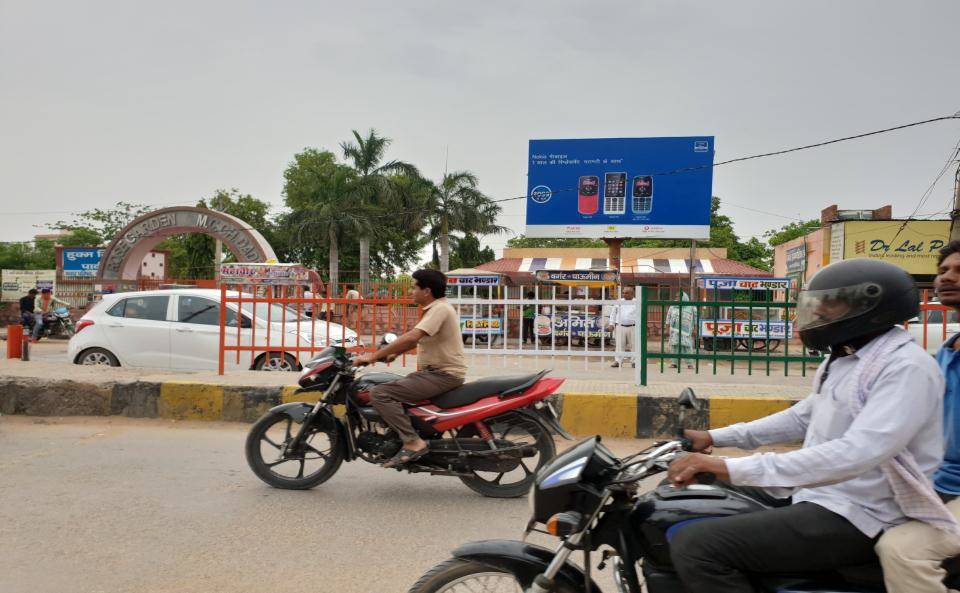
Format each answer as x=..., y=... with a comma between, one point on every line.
x=955, y=213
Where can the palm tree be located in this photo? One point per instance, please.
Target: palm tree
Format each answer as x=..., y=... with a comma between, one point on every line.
x=375, y=189
x=457, y=205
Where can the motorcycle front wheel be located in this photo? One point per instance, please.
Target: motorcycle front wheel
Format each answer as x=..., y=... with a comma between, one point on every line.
x=464, y=576
x=267, y=457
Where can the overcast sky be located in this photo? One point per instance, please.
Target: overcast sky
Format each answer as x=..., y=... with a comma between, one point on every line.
x=164, y=102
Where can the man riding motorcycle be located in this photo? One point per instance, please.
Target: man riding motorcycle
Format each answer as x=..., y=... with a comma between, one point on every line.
x=441, y=365
x=872, y=432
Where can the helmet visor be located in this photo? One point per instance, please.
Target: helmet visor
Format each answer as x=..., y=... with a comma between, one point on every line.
x=817, y=308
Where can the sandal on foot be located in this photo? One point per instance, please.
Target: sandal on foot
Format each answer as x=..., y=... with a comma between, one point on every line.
x=405, y=456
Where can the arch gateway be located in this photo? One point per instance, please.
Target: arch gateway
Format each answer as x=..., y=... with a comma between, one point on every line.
x=121, y=259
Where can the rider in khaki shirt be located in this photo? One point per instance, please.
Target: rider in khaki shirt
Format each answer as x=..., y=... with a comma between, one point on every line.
x=441, y=365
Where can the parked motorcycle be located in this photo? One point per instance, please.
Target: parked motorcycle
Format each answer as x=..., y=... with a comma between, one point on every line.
x=588, y=498
x=493, y=434
x=56, y=324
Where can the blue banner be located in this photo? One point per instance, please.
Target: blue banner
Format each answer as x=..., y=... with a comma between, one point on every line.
x=620, y=187
x=81, y=263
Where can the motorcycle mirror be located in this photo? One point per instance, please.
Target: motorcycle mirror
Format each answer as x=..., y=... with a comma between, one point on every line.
x=688, y=399
x=388, y=338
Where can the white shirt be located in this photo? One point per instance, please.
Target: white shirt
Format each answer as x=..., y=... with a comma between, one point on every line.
x=624, y=313
x=838, y=467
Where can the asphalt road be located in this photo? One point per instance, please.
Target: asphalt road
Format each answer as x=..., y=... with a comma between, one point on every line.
x=104, y=505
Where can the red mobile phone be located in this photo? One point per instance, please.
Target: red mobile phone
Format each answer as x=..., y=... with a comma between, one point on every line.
x=588, y=194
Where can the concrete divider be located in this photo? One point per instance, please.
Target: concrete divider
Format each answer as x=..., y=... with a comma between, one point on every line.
x=583, y=414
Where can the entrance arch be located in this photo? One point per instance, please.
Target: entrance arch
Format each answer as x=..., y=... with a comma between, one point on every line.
x=121, y=259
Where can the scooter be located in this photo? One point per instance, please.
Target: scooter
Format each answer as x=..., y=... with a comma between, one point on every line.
x=588, y=498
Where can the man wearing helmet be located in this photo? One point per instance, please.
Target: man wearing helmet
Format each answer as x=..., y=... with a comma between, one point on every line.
x=864, y=466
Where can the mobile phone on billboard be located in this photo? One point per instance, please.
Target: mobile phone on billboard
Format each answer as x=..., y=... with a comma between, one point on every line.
x=642, y=194
x=614, y=193
x=588, y=194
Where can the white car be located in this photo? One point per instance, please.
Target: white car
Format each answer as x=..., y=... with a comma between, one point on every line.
x=180, y=329
x=936, y=335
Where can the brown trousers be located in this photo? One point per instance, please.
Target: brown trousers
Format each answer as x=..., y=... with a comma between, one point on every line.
x=388, y=398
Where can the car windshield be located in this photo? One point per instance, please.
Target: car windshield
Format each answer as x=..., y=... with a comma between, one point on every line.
x=275, y=312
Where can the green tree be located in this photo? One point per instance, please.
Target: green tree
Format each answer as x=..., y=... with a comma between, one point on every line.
x=98, y=226
x=456, y=204
x=376, y=188
x=791, y=231
x=468, y=254
x=521, y=241
x=28, y=255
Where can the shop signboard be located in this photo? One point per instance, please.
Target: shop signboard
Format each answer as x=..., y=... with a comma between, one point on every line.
x=478, y=280
x=743, y=283
x=481, y=326
x=745, y=329
x=796, y=259
x=620, y=187
x=912, y=245
x=264, y=274
x=562, y=326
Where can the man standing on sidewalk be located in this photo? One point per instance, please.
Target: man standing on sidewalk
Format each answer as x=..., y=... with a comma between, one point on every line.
x=912, y=553
x=624, y=319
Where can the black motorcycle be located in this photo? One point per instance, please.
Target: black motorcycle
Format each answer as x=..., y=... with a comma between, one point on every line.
x=56, y=324
x=588, y=498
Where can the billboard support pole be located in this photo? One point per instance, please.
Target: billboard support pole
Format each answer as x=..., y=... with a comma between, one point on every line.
x=693, y=279
x=614, y=253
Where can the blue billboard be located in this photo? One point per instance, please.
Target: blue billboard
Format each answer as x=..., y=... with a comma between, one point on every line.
x=81, y=263
x=620, y=187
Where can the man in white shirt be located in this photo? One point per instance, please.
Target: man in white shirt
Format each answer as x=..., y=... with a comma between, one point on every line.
x=623, y=321
x=876, y=405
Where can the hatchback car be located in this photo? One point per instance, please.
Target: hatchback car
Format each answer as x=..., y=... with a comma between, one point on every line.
x=180, y=329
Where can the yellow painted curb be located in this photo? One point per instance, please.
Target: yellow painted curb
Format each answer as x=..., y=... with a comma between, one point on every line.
x=727, y=410
x=190, y=401
x=609, y=414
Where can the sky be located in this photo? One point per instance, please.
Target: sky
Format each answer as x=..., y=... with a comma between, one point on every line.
x=156, y=103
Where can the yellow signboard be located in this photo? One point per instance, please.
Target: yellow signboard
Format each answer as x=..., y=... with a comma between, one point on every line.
x=912, y=245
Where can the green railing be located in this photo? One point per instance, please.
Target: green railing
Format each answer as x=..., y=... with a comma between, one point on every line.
x=718, y=338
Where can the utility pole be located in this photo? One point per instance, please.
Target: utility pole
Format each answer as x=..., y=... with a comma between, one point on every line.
x=693, y=276
x=955, y=213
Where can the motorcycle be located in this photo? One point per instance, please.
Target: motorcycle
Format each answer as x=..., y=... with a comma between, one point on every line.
x=588, y=498
x=493, y=434
x=56, y=324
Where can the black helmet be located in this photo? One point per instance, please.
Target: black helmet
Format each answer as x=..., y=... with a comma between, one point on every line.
x=852, y=299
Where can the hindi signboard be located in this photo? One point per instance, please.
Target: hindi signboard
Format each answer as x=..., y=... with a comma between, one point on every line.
x=264, y=274
x=476, y=280
x=563, y=326
x=16, y=283
x=578, y=277
x=741, y=283
x=81, y=262
x=745, y=329
x=481, y=325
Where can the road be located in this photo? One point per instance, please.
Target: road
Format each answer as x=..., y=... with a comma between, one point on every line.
x=104, y=505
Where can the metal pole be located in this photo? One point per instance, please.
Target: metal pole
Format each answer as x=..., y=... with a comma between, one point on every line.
x=955, y=213
x=693, y=280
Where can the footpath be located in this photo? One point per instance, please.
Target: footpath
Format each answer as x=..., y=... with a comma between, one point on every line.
x=594, y=399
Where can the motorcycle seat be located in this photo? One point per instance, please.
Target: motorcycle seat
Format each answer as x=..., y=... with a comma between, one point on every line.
x=470, y=392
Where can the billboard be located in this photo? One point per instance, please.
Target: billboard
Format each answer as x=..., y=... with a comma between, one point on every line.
x=81, y=262
x=620, y=187
x=912, y=245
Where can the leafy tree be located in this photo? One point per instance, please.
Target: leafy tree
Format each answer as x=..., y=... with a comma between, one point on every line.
x=28, y=255
x=791, y=231
x=375, y=189
x=98, y=226
x=468, y=254
x=457, y=204
x=521, y=241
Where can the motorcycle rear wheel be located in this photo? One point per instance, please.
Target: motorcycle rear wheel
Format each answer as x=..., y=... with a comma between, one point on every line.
x=457, y=575
x=520, y=429
x=274, y=430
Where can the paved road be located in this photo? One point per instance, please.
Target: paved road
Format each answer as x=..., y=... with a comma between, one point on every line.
x=104, y=505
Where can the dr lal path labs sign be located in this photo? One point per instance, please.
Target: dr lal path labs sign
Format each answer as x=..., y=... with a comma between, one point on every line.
x=620, y=187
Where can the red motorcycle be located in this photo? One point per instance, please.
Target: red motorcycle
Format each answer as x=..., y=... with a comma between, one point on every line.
x=493, y=434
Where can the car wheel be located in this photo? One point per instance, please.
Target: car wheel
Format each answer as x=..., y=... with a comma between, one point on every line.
x=97, y=357
x=276, y=361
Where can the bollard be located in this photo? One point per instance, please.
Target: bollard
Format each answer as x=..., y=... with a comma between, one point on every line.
x=14, y=340
x=25, y=348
